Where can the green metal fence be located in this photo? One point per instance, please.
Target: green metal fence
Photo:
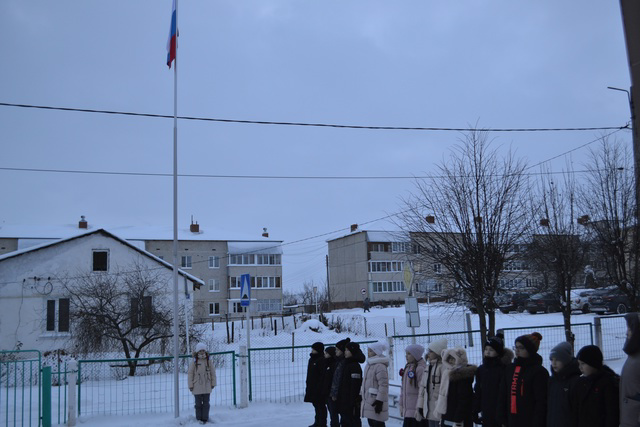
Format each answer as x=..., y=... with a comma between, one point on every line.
x=278, y=374
x=105, y=387
x=611, y=334
x=20, y=380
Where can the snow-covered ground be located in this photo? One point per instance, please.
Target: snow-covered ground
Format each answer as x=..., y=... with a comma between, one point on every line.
x=278, y=373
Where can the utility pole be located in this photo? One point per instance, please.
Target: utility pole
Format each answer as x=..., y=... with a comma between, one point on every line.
x=630, y=10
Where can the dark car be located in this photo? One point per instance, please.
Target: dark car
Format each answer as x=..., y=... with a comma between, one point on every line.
x=514, y=301
x=609, y=300
x=547, y=302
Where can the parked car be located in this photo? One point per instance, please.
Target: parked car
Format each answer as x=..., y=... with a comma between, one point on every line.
x=609, y=300
x=514, y=301
x=580, y=299
x=547, y=302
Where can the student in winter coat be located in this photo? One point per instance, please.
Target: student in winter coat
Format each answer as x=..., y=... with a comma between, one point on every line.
x=455, y=400
x=523, y=390
x=201, y=380
x=564, y=375
x=349, y=398
x=594, y=400
x=375, y=386
x=314, y=392
x=489, y=375
x=630, y=374
x=430, y=384
x=341, y=347
x=330, y=367
x=411, y=378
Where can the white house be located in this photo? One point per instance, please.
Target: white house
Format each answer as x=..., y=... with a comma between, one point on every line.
x=34, y=309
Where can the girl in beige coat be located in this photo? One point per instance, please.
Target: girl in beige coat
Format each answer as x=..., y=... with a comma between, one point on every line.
x=375, y=386
x=201, y=379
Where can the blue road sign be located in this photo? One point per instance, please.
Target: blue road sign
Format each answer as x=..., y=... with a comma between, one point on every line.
x=245, y=290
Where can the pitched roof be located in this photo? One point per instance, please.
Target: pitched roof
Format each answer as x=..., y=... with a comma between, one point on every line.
x=108, y=234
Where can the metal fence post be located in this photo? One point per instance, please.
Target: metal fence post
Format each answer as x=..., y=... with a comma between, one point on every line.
x=365, y=327
x=393, y=371
x=244, y=389
x=72, y=368
x=598, y=326
x=468, y=316
x=46, y=396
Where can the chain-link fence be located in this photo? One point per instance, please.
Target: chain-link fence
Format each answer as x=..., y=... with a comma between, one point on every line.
x=611, y=333
x=469, y=340
x=552, y=335
x=278, y=374
x=106, y=386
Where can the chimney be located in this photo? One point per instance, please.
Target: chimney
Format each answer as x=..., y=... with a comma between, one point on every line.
x=83, y=223
x=354, y=227
x=430, y=219
x=265, y=233
x=194, y=227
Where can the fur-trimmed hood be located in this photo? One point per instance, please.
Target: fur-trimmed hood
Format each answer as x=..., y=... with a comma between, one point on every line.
x=378, y=359
x=507, y=357
x=461, y=368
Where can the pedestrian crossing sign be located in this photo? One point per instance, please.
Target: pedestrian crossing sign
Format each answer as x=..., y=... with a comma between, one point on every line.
x=245, y=290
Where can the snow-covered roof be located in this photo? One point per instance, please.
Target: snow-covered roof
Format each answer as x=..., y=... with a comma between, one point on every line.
x=129, y=232
x=254, y=247
x=375, y=236
x=103, y=231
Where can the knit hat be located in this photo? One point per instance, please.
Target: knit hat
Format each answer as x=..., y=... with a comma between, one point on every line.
x=331, y=351
x=591, y=355
x=416, y=350
x=531, y=342
x=318, y=346
x=342, y=344
x=378, y=348
x=201, y=346
x=353, y=347
x=496, y=343
x=562, y=352
x=438, y=345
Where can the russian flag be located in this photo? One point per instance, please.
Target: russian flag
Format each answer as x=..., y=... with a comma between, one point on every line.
x=171, y=43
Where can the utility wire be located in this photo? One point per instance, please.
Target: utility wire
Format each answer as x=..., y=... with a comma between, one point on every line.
x=327, y=125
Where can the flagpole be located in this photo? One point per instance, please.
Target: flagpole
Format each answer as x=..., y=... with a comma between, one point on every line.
x=176, y=390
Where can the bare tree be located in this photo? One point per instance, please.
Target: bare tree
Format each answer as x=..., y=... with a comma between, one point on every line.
x=608, y=200
x=469, y=219
x=128, y=308
x=558, y=249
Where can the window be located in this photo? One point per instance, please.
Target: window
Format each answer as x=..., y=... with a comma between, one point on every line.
x=437, y=268
x=266, y=282
x=378, y=247
x=401, y=247
x=270, y=305
x=242, y=259
x=385, y=266
x=58, y=315
x=395, y=286
x=264, y=259
x=142, y=312
x=214, y=285
x=100, y=260
x=237, y=308
x=235, y=281
x=185, y=261
x=214, y=308
x=214, y=262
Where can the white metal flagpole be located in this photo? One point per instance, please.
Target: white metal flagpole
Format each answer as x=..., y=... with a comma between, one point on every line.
x=176, y=390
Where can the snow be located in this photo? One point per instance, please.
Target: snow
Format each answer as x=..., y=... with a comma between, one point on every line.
x=278, y=363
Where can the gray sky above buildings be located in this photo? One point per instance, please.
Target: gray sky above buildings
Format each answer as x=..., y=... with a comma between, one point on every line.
x=503, y=64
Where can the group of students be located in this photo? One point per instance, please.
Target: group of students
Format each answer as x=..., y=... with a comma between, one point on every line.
x=441, y=388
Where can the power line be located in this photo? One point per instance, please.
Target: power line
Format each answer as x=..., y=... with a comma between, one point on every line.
x=326, y=125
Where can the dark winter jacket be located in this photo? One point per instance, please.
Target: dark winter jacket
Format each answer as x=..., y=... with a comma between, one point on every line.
x=327, y=376
x=460, y=395
x=630, y=375
x=350, y=384
x=594, y=400
x=315, y=373
x=337, y=377
x=561, y=386
x=523, y=393
x=488, y=378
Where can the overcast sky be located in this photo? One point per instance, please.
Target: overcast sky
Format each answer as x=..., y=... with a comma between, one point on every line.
x=503, y=64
